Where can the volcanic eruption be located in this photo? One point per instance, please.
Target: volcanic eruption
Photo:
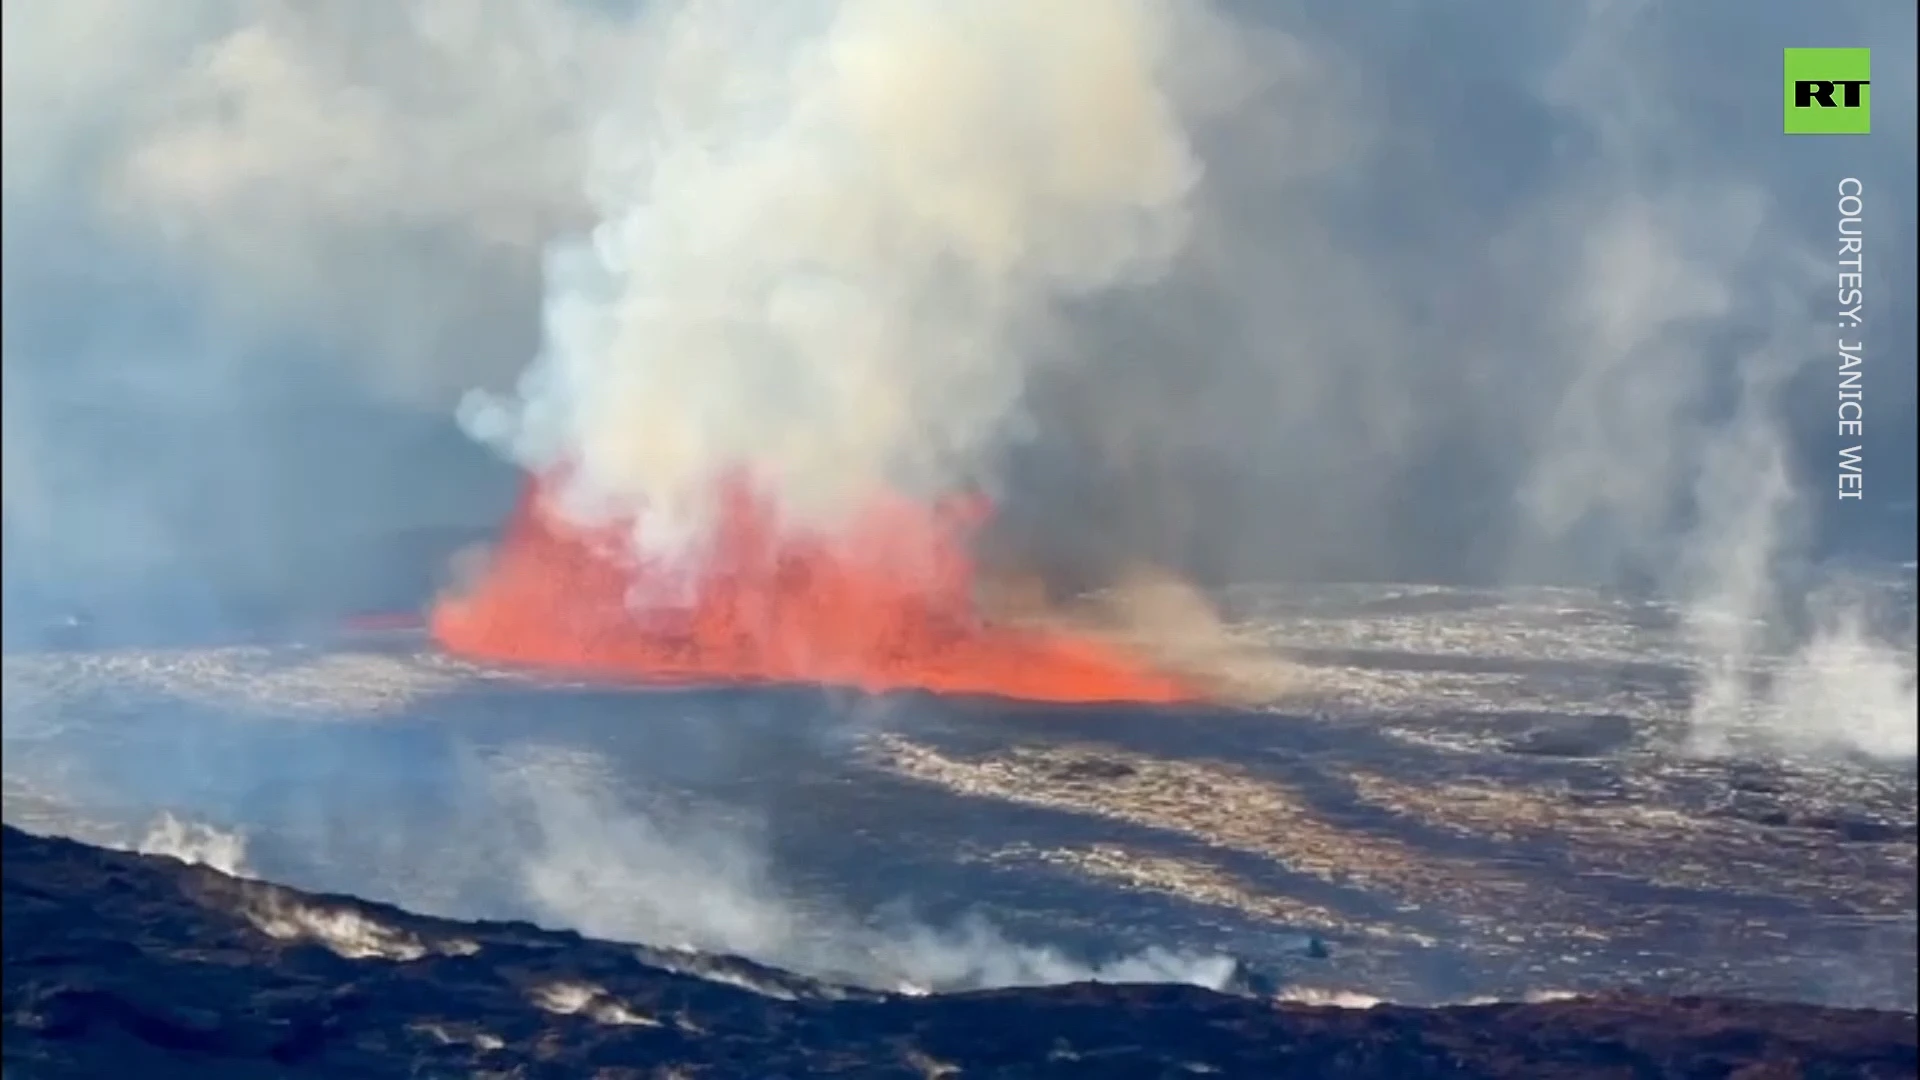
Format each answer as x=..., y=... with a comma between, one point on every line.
x=886, y=603
x=828, y=250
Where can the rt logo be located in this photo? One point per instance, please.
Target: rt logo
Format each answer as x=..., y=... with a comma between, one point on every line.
x=1827, y=92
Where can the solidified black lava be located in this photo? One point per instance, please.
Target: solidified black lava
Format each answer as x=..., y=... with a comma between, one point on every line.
x=129, y=965
x=1573, y=737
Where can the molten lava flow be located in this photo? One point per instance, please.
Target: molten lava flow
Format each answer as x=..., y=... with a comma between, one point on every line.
x=886, y=605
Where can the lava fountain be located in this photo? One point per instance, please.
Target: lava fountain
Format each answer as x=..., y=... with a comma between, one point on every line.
x=887, y=603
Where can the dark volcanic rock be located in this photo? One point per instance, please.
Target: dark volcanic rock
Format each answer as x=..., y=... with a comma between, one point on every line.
x=1573, y=736
x=121, y=965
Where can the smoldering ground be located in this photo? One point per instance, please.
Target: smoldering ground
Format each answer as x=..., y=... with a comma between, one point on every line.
x=1497, y=292
x=675, y=827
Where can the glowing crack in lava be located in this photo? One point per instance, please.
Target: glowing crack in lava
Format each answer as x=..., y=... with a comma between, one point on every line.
x=888, y=604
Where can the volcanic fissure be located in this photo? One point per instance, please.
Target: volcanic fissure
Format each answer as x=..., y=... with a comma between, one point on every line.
x=887, y=602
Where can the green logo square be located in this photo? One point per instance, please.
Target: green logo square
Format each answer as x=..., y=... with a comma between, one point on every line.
x=1827, y=92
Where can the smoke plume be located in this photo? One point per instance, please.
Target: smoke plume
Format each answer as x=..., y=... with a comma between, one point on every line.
x=676, y=880
x=829, y=241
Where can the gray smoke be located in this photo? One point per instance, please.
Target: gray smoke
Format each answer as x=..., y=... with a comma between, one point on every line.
x=254, y=253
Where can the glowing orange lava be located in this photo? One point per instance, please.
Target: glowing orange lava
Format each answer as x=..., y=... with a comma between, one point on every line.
x=886, y=605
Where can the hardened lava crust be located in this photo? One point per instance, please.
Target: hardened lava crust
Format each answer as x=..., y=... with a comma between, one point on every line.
x=1466, y=795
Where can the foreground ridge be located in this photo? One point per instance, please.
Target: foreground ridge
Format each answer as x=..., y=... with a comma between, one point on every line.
x=129, y=965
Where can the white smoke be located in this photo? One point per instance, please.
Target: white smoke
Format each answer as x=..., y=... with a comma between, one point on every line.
x=197, y=844
x=1847, y=685
x=826, y=233
x=1849, y=689
x=597, y=864
x=1695, y=291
